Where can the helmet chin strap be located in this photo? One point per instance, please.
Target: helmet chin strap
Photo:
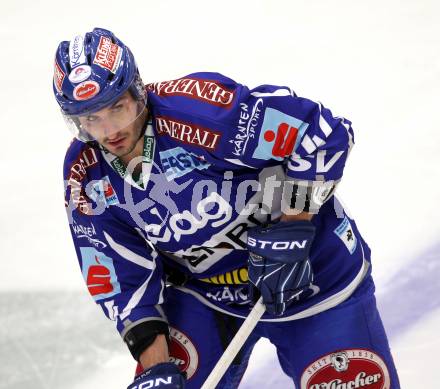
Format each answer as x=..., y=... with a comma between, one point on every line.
x=144, y=124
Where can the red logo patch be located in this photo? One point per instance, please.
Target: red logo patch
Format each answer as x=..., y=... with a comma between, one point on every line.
x=349, y=369
x=183, y=352
x=208, y=91
x=58, y=77
x=78, y=171
x=284, y=141
x=108, y=55
x=86, y=90
x=188, y=133
x=99, y=279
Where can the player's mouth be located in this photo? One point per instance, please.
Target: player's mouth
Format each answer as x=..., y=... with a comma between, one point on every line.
x=118, y=142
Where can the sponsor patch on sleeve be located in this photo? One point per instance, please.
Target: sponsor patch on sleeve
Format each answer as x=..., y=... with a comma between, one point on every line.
x=279, y=136
x=209, y=91
x=346, y=234
x=99, y=273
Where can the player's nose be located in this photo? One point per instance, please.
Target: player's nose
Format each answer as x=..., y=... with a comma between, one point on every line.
x=110, y=129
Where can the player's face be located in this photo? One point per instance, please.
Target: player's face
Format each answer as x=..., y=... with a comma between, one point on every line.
x=117, y=127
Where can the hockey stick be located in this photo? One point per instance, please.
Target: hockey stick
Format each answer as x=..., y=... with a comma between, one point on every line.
x=235, y=345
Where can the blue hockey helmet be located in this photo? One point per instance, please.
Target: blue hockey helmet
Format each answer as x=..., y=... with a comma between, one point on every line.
x=93, y=71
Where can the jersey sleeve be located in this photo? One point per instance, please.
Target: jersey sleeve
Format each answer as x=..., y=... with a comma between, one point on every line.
x=275, y=126
x=122, y=271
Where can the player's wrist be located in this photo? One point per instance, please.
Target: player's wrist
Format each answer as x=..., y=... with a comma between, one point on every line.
x=295, y=215
x=156, y=352
x=143, y=335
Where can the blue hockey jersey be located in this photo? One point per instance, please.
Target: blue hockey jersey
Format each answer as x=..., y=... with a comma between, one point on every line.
x=218, y=159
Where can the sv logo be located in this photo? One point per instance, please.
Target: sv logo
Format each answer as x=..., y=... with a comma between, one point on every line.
x=301, y=165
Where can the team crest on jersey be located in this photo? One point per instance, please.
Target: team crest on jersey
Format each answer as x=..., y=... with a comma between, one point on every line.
x=183, y=352
x=352, y=368
x=279, y=135
x=345, y=232
x=102, y=191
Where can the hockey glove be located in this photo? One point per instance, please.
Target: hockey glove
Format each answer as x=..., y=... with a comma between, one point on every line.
x=163, y=375
x=279, y=264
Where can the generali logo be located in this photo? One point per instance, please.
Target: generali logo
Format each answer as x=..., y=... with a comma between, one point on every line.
x=208, y=91
x=348, y=369
x=78, y=171
x=188, y=133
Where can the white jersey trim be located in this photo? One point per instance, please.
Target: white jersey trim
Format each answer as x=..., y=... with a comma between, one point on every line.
x=129, y=255
x=139, y=293
x=277, y=93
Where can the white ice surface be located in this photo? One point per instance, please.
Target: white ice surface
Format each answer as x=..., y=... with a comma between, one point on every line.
x=375, y=62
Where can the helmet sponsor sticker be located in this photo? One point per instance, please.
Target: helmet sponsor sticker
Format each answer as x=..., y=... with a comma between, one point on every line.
x=76, y=51
x=99, y=273
x=352, y=368
x=80, y=74
x=183, y=352
x=86, y=90
x=108, y=54
x=279, y=135
x=58, y=77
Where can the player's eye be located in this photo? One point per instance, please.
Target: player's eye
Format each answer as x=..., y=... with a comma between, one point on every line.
x=92, y=118
x=117, y=108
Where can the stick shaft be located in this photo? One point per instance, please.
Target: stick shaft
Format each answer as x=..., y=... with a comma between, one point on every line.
x=235, y=345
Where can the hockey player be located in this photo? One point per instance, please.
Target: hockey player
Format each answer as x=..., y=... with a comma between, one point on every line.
x=189, y=198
